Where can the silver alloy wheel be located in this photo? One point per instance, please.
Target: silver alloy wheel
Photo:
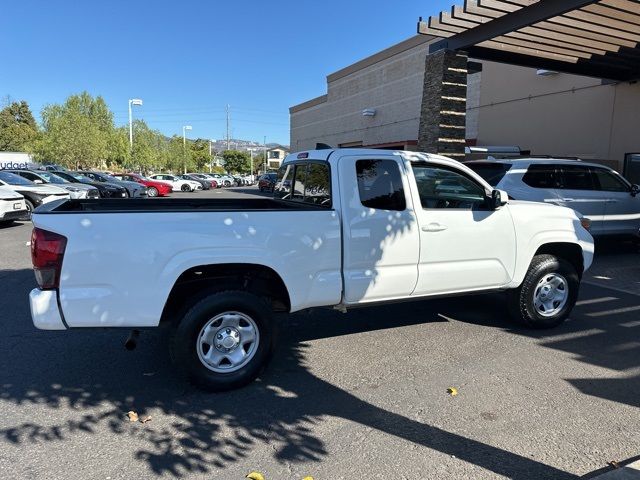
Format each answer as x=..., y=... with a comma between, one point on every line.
x=551, y=294
x=152, y=192
x=227, y=342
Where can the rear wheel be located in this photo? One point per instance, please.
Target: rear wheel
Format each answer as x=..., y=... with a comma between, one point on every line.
x=224, y=341
x=227, y=183
x=547, y=294
x=152, y=192
x=185, y=187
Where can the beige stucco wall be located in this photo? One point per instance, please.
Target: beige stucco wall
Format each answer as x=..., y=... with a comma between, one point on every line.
x=392, y=86
x=564, y=115
x=558, y=114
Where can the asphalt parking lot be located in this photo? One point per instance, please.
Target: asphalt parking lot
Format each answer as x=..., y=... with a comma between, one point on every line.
x=347, y=396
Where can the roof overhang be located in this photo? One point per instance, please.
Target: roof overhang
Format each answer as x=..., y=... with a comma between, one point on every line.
x=596, y=38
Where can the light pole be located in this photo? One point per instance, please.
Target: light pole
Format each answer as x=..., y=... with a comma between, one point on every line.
x=137, y=102
x=210, y=155
x=265, y=153
x=184, y=145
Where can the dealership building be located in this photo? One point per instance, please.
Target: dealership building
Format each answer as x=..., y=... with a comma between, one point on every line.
x=554, y=78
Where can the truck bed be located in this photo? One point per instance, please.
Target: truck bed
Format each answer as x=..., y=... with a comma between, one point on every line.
x=151, y=205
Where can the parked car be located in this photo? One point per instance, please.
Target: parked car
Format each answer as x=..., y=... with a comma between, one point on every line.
x=248, y=179
x=206, y=177
x=154, y=187
x=48, y=177
x=223, y=180
x=34, y=194
x=368, y=227
x=12, y=206
x=267, y=182
x=206, y=184
x=106, y=190
x=134, y=189
x=596, y=191
x=178, y=183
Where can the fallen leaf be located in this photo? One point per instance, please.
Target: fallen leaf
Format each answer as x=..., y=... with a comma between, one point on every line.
x=255, y=476
x=133, y=416
x=453, y=391
x=614, y=464
x=145, y=419
x=307, y=478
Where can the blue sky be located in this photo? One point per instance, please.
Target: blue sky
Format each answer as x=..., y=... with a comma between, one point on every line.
x=188, y=59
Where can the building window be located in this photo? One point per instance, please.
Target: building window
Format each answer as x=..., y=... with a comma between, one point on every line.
x=274, y=154
x=380, y=184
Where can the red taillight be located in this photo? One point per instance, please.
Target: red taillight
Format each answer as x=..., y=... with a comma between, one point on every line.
x=47, y=252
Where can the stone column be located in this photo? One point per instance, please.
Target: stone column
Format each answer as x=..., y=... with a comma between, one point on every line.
x=444, y=104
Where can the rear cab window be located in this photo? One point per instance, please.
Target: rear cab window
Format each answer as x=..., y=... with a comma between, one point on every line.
x=305, y=182
x=380, y=185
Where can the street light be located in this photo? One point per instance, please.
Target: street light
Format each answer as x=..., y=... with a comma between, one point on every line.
x=184, y=144
x=137, y=102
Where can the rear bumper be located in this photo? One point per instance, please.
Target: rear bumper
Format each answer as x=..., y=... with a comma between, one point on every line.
x=45, y=312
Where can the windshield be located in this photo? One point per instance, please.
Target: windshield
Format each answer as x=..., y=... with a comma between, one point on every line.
x=52, y=178
x=109, y=178
x=13, y=179
x=80, y=177
x=491, y=172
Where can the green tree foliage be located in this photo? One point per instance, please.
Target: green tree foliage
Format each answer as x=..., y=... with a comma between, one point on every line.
x=236, y=161
x=18, y=128
x=199, y=151
x=76, y=133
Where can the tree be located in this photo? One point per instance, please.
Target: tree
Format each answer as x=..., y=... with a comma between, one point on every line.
x=200, y=156
x=18, y=128
x=76, y=133
x=236, y=161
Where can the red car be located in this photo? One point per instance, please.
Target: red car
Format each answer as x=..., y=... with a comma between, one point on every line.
x=154, y=187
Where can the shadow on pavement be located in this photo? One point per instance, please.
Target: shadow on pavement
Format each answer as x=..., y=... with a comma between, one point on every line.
x=87, y=371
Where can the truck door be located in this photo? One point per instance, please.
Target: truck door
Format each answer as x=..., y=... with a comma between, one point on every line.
x=381, y=238
x=465, y=244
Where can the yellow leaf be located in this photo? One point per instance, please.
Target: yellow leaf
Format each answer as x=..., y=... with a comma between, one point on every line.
x=307, y=478
x=255, y=476
x=453, y=391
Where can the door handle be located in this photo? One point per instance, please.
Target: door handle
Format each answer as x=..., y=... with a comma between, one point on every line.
x=568, y=199
x=434, y=227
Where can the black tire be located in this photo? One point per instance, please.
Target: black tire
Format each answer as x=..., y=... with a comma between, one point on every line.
x=152, y=192
x=185, y=187
x=261, y=189
x=184, y=342
x=30, y=209
x=521, y=300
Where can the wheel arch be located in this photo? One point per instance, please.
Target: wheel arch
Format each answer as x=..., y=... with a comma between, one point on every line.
x=571, y=252
x=201, y=280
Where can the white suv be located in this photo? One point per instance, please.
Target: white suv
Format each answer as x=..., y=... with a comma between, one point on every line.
x=599, y=193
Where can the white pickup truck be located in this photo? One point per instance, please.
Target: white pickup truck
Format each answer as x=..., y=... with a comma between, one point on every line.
x=345, y=228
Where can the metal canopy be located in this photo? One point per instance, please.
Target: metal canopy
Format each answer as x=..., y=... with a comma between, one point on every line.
x=596, y=38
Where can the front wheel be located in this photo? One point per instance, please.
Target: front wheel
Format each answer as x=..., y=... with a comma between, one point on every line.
x=185, y=187
x=30, y=208
x=152, y=192
x=224, y=341
x=547, y=294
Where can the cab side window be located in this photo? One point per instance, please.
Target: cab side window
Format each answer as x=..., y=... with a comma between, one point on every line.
x=444, y=188
x=380, y=185
x=304, y=182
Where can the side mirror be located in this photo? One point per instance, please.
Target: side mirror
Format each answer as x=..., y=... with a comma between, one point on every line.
x=499, y=198
x=635, y=189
